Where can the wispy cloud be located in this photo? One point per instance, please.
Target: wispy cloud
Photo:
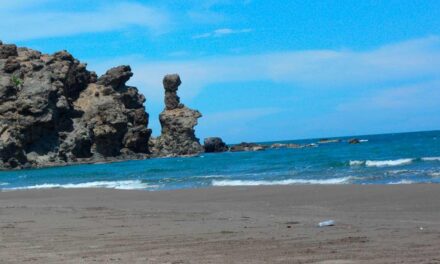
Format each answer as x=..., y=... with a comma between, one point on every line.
x=313, y=69
x=38, y=23
x=418, y=96
x=221, y=32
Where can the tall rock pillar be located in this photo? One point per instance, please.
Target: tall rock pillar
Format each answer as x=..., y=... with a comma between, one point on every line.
x=178, y=122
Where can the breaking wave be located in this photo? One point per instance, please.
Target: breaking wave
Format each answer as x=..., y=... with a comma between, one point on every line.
x=119, y=185
x=282, y=182
x=389, y=163
x=381, y=163
x=402, y=182
x=431, y=159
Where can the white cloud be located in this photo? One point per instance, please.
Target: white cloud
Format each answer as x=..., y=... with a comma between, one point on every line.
x=313, y=69
x=411, y=107
x=20, y=23
x=221, y=32
x=422, y=96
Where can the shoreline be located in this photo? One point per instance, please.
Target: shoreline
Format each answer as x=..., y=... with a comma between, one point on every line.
x=204, y=188
x=258, y=224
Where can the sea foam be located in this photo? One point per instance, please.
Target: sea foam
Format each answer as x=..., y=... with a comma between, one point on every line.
x=357, y=162
x=381, y=163
x=120, y=185
x=402, y=182
x=282, y=182
x=434, y=174
x=387, y=163
x=431, y=159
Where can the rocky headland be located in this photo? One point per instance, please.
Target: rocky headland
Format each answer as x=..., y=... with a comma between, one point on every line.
x=53, y=111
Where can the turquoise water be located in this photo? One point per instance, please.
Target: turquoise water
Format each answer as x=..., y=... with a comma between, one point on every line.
x=379, y=159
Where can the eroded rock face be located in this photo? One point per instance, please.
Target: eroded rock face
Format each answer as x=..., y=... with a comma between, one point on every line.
x=178, y=122
x=54, y=111
x=214, y=144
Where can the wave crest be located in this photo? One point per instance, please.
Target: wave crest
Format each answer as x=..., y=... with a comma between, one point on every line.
x=381, y=163
x=282, y=182
x=119, y=185
x=431, y=159
x=402, y=182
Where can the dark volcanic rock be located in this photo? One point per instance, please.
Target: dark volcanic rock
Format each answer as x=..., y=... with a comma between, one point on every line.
x=53, y=111
x=215, y=144
x=7, y=50
x=178, y=122
x=247, y=147
x=280, y=146
x=327, y=141
x=354, y=141
x=171, y=83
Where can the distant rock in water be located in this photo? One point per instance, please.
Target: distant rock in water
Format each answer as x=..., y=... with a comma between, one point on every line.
x=244, y=146
x=178, y=122
x=53, y=111
x=280, y=146
x=354, y=141
x=215, y=144
x=327, y=141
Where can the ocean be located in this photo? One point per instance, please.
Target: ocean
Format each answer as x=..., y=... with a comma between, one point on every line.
x=403, y=158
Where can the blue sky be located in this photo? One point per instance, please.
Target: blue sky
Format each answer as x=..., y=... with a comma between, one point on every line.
x=258, y=70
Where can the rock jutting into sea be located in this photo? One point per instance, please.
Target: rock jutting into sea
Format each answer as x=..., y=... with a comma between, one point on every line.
x=214, y=145
x=178, y=121
x=53, y=111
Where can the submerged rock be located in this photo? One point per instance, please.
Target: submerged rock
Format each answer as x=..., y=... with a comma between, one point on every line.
x=178, y=121
x=214, y=144
x=280, y=145
x=244, y=146
x=354, y=141
x=53, y=111
x=328, y=141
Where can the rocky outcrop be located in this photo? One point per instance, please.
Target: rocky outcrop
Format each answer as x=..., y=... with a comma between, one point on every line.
x=281, y=146
x=354, y=141
x=244, y=146
x=214, y=144
x=178, y=121
x=53, y=111
x=328, y=141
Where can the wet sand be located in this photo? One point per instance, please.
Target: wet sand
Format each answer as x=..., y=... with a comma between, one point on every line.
x=276, y=224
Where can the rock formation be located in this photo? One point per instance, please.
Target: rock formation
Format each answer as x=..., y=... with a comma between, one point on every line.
x=281, y=146
x=214, y=144
x=354, y=141
x=178, y=122
x=244, y=146
x=53, y=111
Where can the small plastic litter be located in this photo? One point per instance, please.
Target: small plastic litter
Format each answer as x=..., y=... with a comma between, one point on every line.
x=327, y=223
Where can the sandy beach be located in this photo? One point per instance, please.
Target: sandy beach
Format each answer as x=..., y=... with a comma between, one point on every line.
x=276, y=224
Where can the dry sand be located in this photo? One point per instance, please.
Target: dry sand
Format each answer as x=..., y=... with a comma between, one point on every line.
x=277, y=224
